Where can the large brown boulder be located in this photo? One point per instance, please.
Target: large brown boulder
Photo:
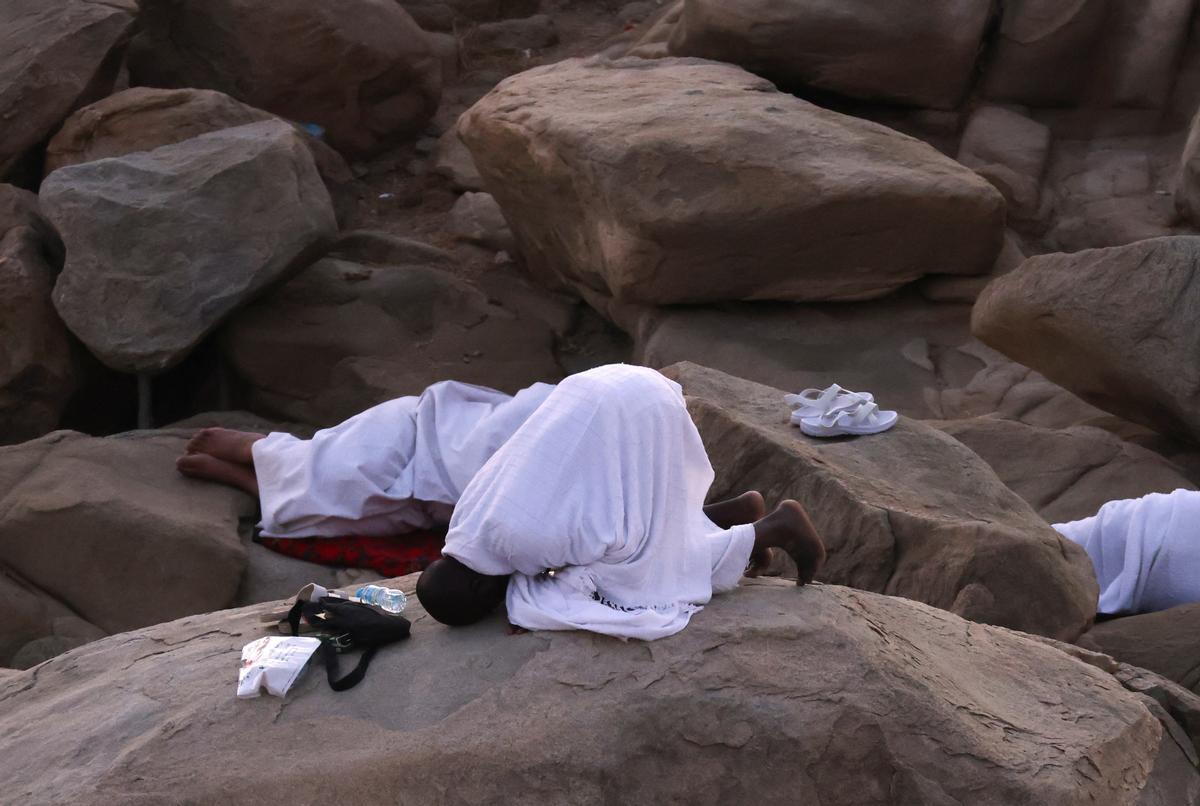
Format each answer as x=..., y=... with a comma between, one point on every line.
x=864, y=700
x=380, y=318
x=1115, y=326
x=905, y=51
x=163, y=245
x=144, y=118
x=362, y=69
x=1066, y=474
x=37, y=373
x=911, y=512
x=655, y=168
x=111, y=530
x=55, y=57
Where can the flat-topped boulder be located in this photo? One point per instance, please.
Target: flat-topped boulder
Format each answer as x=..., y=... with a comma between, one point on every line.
x=657, y=167
x=163, y=245
x=903, y=51
x=862, y=699
x=911, y=512
x=1116, y=326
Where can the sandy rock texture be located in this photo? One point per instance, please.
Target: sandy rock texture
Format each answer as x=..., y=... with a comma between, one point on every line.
x=906, y=51
x=163, y=245
x=913, y=513
x=54, y=58
x=658, y=168
x=37, y=372
x=362, y=69
x=1115, y=326
x=890, y=702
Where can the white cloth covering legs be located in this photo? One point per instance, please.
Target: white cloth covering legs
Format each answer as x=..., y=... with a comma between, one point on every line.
x=1146, y=551
x=394, y=468
x=606, y=482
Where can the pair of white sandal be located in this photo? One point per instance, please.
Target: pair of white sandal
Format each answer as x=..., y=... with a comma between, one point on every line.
x=836, y=412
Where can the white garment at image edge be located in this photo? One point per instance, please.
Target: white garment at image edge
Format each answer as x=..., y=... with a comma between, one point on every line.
x=606, y=481
x=1146, y=551
x=394, y=468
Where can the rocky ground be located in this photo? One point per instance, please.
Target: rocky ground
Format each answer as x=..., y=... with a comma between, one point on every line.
x=276, y=213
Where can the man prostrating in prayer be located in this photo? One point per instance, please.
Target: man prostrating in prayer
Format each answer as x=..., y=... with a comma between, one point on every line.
x=581, y=504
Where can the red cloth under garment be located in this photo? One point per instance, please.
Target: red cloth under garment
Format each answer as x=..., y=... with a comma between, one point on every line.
x=390, y=556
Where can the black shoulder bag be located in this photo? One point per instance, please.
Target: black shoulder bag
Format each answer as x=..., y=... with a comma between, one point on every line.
x=347, y=625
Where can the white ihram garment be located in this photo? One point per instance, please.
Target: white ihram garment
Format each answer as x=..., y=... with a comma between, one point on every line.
x=394, y=468
x=1146, y=551
x=606, y=483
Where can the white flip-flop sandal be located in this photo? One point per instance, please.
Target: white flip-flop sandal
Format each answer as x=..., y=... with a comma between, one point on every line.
x=817, y=402
x=865, y=418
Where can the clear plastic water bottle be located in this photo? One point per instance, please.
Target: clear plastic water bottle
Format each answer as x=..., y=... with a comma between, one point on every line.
x=389, y=600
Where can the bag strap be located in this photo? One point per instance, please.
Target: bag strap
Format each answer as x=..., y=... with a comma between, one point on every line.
x=293, y=616
x=354, y=676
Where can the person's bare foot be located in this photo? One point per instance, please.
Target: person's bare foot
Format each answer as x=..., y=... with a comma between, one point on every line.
x=790, y=529
x=225, y=443
x=746, y=508
x=210, y=468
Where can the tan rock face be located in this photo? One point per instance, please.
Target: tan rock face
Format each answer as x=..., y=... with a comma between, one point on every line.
x=906, y=51
x=362, y=69
x=911, y=512
x=55, y=57
x=37, y=373
x=1115, y=326
x=633, y=179
x=1066, y=474
x=163, y=245
x=111, y=530
x=382, y=318
x=868, y=700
